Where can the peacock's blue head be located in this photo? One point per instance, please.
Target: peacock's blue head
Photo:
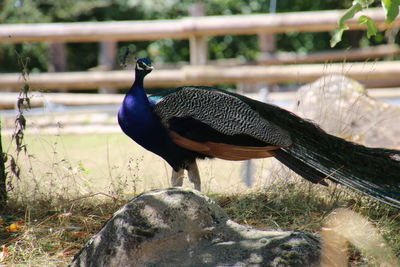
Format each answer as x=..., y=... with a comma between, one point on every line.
x=143, y=66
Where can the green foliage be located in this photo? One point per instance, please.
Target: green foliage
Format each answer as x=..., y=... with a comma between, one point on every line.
x=350, y=13
x=391, y=12
x=21, y=12
x=82, y=56
x=37, y=52
x=371, y=28
x=42, y=11
x=391, y=9
x=364, y=3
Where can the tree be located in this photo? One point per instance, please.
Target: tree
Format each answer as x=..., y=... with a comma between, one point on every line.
x=3, y=186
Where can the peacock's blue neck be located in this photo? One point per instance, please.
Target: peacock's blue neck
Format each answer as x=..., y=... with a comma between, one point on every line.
x=139, y=122
x=137, y=90
x=136, y=116
x=135, y=111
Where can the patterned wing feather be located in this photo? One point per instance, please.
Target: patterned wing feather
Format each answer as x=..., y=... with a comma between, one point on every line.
x=223, y=112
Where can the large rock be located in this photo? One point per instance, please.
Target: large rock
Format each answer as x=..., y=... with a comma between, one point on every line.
x=182, y=227
x=342, y=107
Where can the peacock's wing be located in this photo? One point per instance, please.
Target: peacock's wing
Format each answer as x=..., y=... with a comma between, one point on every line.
x=217, y=123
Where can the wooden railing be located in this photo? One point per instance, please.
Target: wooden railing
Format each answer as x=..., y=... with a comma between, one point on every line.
x=315, y=21
x=206, y=75
x=196, y=29
x=7, y=99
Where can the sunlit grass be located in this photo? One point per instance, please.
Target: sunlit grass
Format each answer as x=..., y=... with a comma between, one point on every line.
x=90, y=163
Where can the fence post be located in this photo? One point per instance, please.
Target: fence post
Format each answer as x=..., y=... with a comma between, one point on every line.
x=267, y=47
x=57, y=57
x=107, y=59
x=198, y=45
x=267, y=50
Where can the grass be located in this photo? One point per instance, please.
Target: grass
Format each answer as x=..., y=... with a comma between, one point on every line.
x=93, y=161
x=71, y=185
x=49, y=235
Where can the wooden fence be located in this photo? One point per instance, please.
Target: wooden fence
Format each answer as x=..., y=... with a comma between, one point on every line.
x=196, y=29
x=206, y=75
x=315, y=21
x=38, y=99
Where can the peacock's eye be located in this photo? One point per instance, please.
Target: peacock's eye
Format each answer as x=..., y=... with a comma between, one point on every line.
x=140, y=66
x=143, y=66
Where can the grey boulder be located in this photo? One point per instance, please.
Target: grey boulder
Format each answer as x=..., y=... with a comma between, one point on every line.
x=182, y=227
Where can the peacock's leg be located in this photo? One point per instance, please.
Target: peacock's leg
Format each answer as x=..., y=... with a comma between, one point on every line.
x=177, y=177
x=194, y=176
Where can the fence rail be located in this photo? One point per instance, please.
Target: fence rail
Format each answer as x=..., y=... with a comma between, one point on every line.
x=206, y=75
x=39, y=99
x=354, y=54
x=313, y=21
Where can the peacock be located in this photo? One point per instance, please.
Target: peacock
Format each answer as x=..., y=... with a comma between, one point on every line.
x=196, y=122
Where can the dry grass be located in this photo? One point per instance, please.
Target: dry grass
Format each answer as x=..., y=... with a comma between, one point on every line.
x=72, y=184
x=50, y=236
x=298, y=206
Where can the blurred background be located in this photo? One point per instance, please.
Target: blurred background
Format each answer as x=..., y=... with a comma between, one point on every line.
x=83, y=56
x=52, y=54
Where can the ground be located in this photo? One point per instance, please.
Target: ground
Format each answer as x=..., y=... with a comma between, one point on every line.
x=71, y=184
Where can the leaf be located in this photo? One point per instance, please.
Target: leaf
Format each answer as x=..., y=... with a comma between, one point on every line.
x=15, y=170
x=391, y=9
x=4, y=157
x=79, y=234
x=363, y=3
x=22, y=121
x=20, y=103
x=67, y=252
x=350, y=13
x=19, y=137
x=3, y=253
x=371, y=28
x=13, y=228
x=337, y=35
x=28, y=102
x=26, y=89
